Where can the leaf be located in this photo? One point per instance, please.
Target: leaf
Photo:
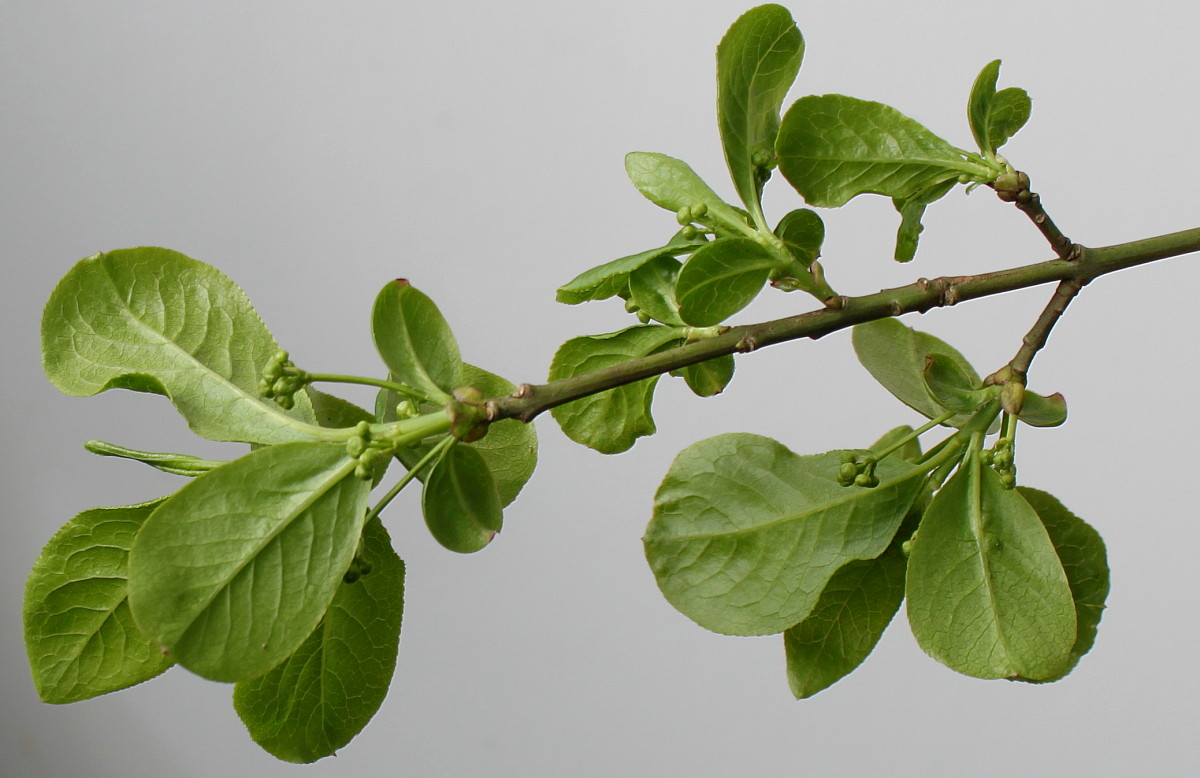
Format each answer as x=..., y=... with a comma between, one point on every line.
x=611, y=421
x=895, y=355
x=319, y=698
x=1010, y=111
x=1085, y=563
x=721, y=279
x=745, y=534
x=509, y=448
x=912, y=210
x=833, y=148
x=952, y=387
x=652, y=289
x=669, y=183
x=979, y=105
x=332, y=411
x=153, y=320
x=233, y=572
x=709, y=378
x=855, y=608
x=987, y=595
x=802, y=232
x=1042, y=411
x=611, y=278
x=909, y=452
x=80, y=637
x=995, y=116
x=460, y=502
x=757, y=61
x=415, y=341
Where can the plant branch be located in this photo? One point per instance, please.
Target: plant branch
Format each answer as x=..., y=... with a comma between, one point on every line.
x=842, y=312
x=1014, y=188
x=1036, y=338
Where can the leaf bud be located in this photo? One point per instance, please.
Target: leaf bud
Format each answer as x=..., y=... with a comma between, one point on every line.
x=1012, y=397
x=763, y=158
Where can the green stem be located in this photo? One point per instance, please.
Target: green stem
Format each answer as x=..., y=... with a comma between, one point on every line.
x=842, y=312
x=436, y=452
x=334, y=378
x=918, y=432
x=1035, y=340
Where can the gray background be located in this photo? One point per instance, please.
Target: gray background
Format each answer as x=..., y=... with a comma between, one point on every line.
x=315, y=150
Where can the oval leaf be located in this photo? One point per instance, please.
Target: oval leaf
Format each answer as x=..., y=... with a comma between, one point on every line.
x=952, y=387
x=320, y=697
x=802, y=232
x=611, y=278
x=153, y=320
x=709, y=378
x=652, y=289
x=721, y=279
x=233, y=572
x=987, y=595
x=1010, y=111
x=415, y=341
x=895, y=355
x=1085, y=562
x=610, y=421
x=460, y=502
x=670, y=183
x=833, y=148
x=757, y=61
x=979, y=105
x=79, y=634
x=1041, y=411
x=746, y=535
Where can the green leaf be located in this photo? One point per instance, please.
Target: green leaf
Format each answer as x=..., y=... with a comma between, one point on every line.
x=611, y=278
x=757, y=61
x=995, y=116
x=652, y=288
x=233, y=572
x=153, y=320
x=912, y=210
x=802, y=232
x=708, y=378
x=987, y=595
x=80, y=637
x=721, y=279
x=855, y=608
x=319, y=698
x=896, y=356
x=1085, y=562
x=979, y=105
x=611, y=421
x=1042, y=411
x=1010, y=111
x=415, y=342
x=745, y=534
x=332, y=411
x=909, y=452
x=952, y=387
x=460, y=502
x=833, y=148
x=669, y=183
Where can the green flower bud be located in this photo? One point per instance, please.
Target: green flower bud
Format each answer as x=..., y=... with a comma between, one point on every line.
x=365, y=567
x=350, y=576
x=355, y=446
x=363, y=430
x=763, y=158
x=698, y=211
x=643, y=317
x=631, y=306
x=847, y=473
x=866, y=480
x=684, y=215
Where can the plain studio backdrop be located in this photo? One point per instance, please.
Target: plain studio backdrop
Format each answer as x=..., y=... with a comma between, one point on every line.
x=315, y=150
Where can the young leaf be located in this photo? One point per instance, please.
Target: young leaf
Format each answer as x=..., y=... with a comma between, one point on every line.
x=757, y=61
x=319, y=698
x=611, y=278
x=912, y=209
x=802, y=232
x=721, y=279
x=233, y=572
x=709, y=378
x=1042, y=411
x=414, y=340
x=979, y=105
x=652, y=289
x=80, y=637
x=610, y=421
x=509, y=448
x=1081, y=552
x=669, y=183
x=833, y=148
x=855, y=608
x=460, y=502
x=895, y=355
x=987, y=595
x=153, y=320
x=745, y=534
x=952, y=387
x=1010, y=111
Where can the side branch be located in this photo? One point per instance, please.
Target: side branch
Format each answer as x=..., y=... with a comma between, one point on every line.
x=920, y=296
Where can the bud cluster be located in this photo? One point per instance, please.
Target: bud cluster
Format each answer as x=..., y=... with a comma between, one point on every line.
x=358, y=568
x=858, y=470
x=281, y=379
x=368, y=451
x=1001, y=458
